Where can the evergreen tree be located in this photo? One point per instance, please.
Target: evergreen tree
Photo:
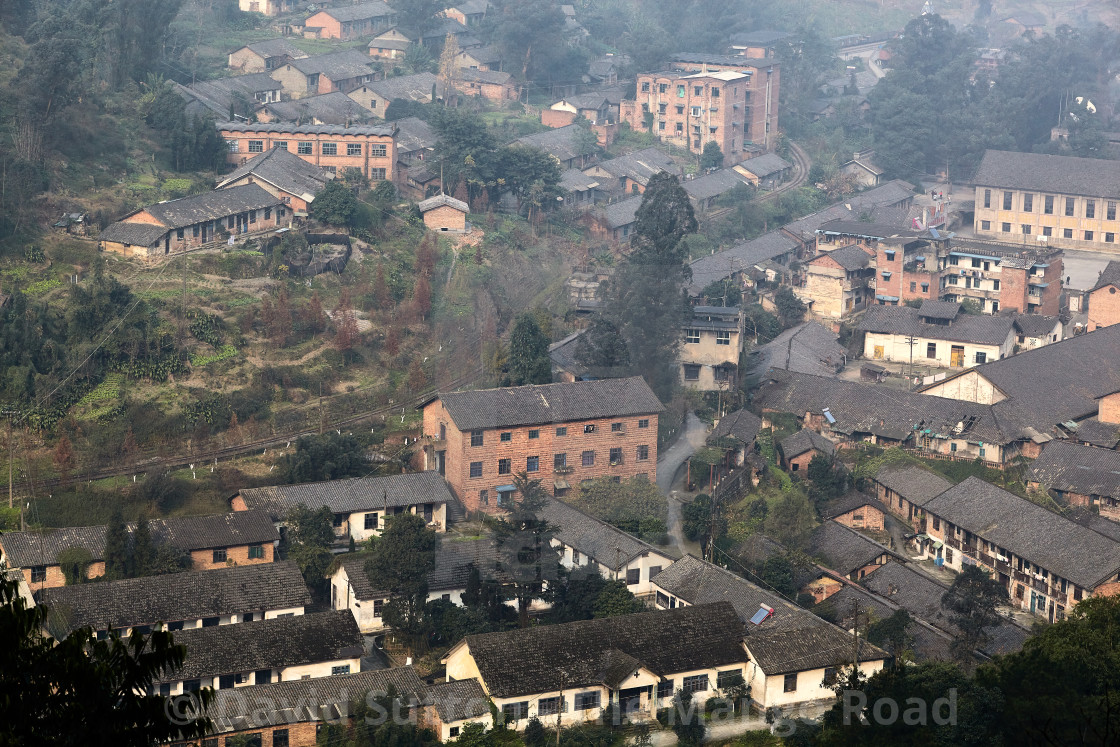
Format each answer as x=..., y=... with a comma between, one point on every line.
x=399, y=563
x=143, y=551
x=528, y=361
x=712, y=157
x=118, y=557
x=310, y=537
x=972, y=603
x=335, y=204
x=525, y=544
x=602, y=350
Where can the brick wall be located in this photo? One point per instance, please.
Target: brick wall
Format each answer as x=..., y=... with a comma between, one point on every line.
x=1013, y=289
x=557, y=118
x=299, y=735
x=445, y=218
x=1108, y=409
x=864, y=517
x=367, y=159
x=800, y=463
x=203, y=560
x=1104, y=307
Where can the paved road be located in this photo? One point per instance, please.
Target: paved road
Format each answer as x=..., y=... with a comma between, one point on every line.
x=670, y=472
x=1082, y=268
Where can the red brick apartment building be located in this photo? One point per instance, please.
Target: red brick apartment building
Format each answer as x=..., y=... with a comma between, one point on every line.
x=368, y=148
x=562, y=434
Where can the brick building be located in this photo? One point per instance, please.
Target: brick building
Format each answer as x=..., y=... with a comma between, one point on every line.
x=1061, y=201
x=287, y=177
x=1078, y=475
x=350, y=21
x=324, y=73
x=210, y=541
x=1104, y=298
x=800, y=448
x=369, y=148
x=857, y=511
x=262, y=56
x=904, y=489
x=444, y=213
x=561, y=433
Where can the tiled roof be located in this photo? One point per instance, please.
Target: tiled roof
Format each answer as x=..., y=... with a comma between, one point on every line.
x=707, y=270
x=548, y=658
x=563, y=353
x=494, y=77
x=928, y=642
x=487, y=53
x=351, y=495
x=560, y=142
x=291, y=128
x=574, y=180
x=1036, y=325
x=349, y=63
x=850, y=257
x=458, y=700
x=550, y=403
x=359, y=12
x=915, y=484
x=416, y=87
x=1087, y=470
x=765, y=165
x=275, y=48
x=267, y=644
x=697, y=58
x=889, y=413
x=931, y=309
x=1093, y=431
x=713, y=184
x=842, y=549
x=743, y=425
x=805, y=440
x=413, y=134
x=208, y=206
x=623, y=212
x=850, y=501
x=442, y=200
x=889, y=195
x=808, y=348
x=609, y=546
x=25, y=549
x=784, y=651
x=454, y=560
x=329, y=108
x=1028, y=530
x=1110, y=275
x=176, y=596
x=134, y=234
x=639, y=166
x=762, y=36
x=313, y=699
x=283, y=170
x=1093, y=177
x=980, y=329
x=863, y=230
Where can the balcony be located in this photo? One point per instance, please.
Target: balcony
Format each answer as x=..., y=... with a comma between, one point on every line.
x=1003, y=567
x=1040, y=586
x=987, y=560
x=955, y=544
x=1022, y=577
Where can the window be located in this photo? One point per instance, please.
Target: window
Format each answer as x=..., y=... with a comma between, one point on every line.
x=532, y=464
x=695, y=111
x=38, y=574
x=559, y=461
x=931, y=349
x=377, y=174
x=1067, y=233
x=680, y=110
x=1110, y=210
x=256, y=552
x=1006, y=200
x=643, y=453
x=727, y=678
x=643, y=423
x=268, y=213
x=192, y=686
x=484, y=497
x=353, y=149
x=1109, y=237
x=691, y=372
x=987, y=198
x=562, y=431
x=589, y=428
x=1028, y=203
x=667, y=688
x=280, y=738
x=329, y=149
x=587, y=458
x=1005, y=227
x=616, y=455
x=195, y=230
x=341, y=669
x=715, y=92
x=231, y=146
x=378, y=150
x=1090, y=208
x=252, y=216
x=981, y=357
x=337, y=521
x=633, y=576
x=303, y=148
x=1026, y=227
x=696, y=683
x=210, y=622
x=535, y=433
x=680, y=126
x=953, y=446
x=936, y=524
x=1048, y=204
x=680, y=92
x=1088, y=235
x=225, y=682
x=220, y=556
x=662, y=87
x=453, y=731
x=256, y=146
x=505, y=466
x=506, y=437
x=692, y=336
x=262, y=676
x=985, y=225
x=177, y=625
x=790, y=684
x=551, y=706
x=1069, y=207
x=616, y=427
x=954, y=259
x=476, y=469
x=645, y=86
x=515, y=711
x=1047, y=231
x=913, y=286
x=723, y=338
x=662, y=108
x=586, y=701
x=476, y=437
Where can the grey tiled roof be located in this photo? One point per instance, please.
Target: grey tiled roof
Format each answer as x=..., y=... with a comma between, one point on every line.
x=707, y=270
x=1093, y=177
x=1093, y=431
x=915, y=484
x=762, y=36
x=134, y=234
x=1087, y=470
x=413, y=134
x=931, y=309
x=187, y=211
x=313, y=699
x=850, y=257
x=454, y=560
x=267, y=644
x=349, y=63
x=861, y=229
x=623, y=212
x=351, y=495
x=850, y=501
x=360, y=12
x=25, y=549
x=329, y=108
x=1036, y=325
x=929, y=643
x=1047, y=540
x=743, y=425
x=609, y=546
x=275, y=48
x=550, y=403
x=416, y=87
x=563, y=353
x=284, y=170
x=176, y=596
x=442, y=200
x=1110, y=275
x=574, y=180
x=291, y=128
x=981, y=329
x=548, y=658
x=458, y=700
x=495, y=77
x=560, y=142
x=808, y=348
x=765, y=165
x=714, y=184
x=639, y=165
x=806, y=440
x=784, y=651
x=889, y=195
x=844, y=550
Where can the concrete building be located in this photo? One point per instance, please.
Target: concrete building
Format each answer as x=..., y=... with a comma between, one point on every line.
x=709, y=353
x=267, y=7
x=936, y=334
x=369, y=148
x=838, y=283
x=1060, y=201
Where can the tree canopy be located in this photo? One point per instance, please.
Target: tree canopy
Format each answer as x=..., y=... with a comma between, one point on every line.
x=528, y=361
x=400, y=561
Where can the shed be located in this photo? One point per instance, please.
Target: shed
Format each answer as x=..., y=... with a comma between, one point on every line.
x=871, y=372
x=445, y=213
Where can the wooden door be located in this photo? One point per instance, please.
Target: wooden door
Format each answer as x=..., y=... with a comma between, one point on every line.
x=956, y=358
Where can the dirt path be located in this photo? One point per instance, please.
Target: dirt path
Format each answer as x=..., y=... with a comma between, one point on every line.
x=669, y=474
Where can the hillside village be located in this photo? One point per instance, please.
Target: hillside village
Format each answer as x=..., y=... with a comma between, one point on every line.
x=607, y=372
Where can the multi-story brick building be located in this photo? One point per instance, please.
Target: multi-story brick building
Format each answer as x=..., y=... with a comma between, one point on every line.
x=561, y=433
x=1061, y=201
x=1104, y=298
x=350, y=21
x=369, y=148
x=324, y=73
x=839, y=283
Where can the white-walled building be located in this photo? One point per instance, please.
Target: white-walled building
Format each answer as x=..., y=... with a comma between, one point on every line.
x=937, y=334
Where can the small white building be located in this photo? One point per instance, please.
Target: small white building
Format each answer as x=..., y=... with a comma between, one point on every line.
x=937, y=334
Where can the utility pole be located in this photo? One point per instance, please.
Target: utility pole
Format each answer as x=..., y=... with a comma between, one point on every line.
x=911, y=341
